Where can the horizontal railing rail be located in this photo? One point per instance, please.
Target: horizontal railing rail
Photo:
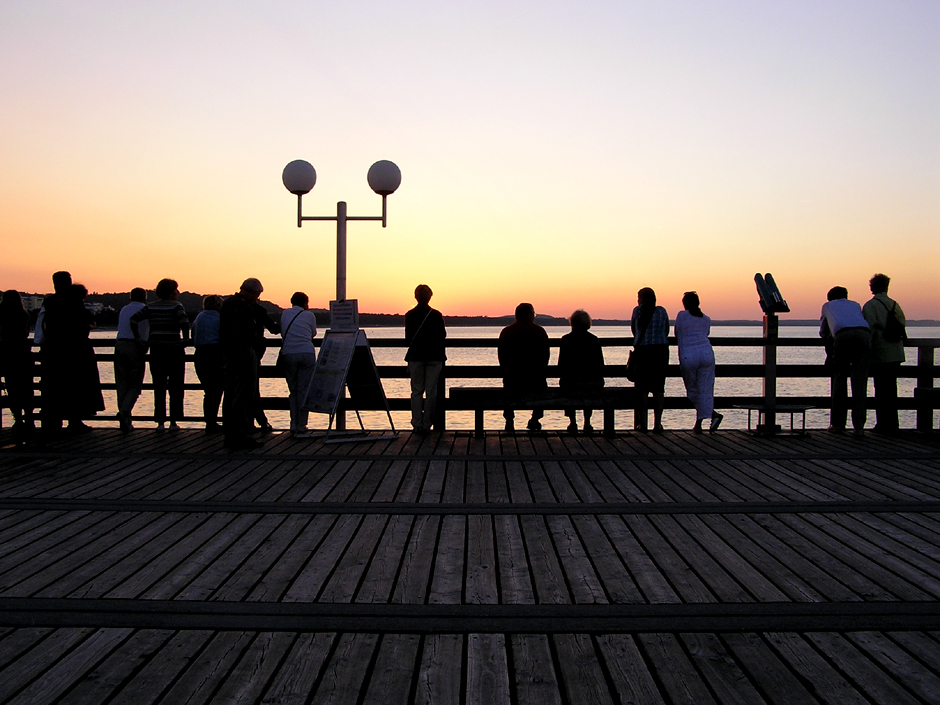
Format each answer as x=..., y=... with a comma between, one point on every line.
x=924, y=371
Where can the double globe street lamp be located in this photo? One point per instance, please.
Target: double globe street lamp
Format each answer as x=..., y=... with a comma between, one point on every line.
x=300, y=177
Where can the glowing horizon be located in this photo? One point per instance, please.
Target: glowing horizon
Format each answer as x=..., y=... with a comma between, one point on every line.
x=603, y=149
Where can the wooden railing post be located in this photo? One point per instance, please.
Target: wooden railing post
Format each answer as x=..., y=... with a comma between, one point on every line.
x=925, y=381
x=771, y=336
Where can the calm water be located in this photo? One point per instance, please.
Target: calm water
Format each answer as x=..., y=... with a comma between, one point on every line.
x=554, y=419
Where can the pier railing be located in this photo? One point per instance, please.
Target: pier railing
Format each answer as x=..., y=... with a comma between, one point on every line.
x=925, y=372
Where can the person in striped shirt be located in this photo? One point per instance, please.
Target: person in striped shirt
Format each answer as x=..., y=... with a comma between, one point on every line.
x=169, y=334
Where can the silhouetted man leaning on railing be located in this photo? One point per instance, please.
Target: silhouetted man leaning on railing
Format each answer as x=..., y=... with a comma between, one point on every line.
x=237, y=333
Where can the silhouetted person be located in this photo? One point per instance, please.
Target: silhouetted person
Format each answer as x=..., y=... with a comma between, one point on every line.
x=523, y=356
x=298, y=357
x=887, y=352
x=697, y=361
x=68, y=391
x=129, y=355
x=237, y=332
x=262, y=322
x=580, y=366
x=424, y=335
x=650, y=326
x=209, y=361
x=16, y=363
x=169, y=334
x=844, y=325
x=55, y=329
x=86, y=397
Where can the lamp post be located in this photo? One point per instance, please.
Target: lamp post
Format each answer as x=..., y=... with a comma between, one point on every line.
x=300, y=177
x=384, y=178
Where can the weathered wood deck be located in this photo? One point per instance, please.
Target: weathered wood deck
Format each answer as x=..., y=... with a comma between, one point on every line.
x=678, y=568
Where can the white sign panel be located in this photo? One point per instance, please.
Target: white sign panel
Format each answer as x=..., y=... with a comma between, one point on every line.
x=344, y=315
x=336, y=352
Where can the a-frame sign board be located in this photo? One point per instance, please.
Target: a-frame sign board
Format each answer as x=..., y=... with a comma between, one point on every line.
x=345, y=359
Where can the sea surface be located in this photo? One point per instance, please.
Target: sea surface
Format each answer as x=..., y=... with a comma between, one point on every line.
x=674, y=419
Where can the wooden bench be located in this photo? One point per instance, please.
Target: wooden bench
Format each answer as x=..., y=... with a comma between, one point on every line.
x=764, y=409
x=480, y=399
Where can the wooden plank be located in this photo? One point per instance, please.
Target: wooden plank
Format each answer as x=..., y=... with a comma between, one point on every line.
x=481, y=583
x=411, y=482
x=827, y=557
x=533, y=670
x=41, y=525
x=797, y=578
x=580, y=669
x=111, y=568
x=877, y=685
x=828, y=684
x=896, y=573
x=16, y=642
x=313, y=576
x=675, y=569
x=379, y=580
x=364, y=491
x=197, y=561
x=515, y=583
x=61, y=527
x=440, y=677
x=350, y=569
x=517, y=481
x=487, y=669
x=414, y=576
x=243, y=580
x=548, y=579
x=394, y=670
x=73, y=666
x=712, y=572
x=81, y=551
x=900, y=664
x=922, y=647
x=720, y=671
x=454, y=482
x=678, y=676
x=322, y=488
x=205, y=584
x=99, y=684
x=433, y=488
x=631, y=677
x=617, y=582
x=475, y=481
x=343, y=676
x=448, y=573
x=583, y=583
x=770, y=673
x=37, y=657
x=235, y=667
x=654, y=586
x=162, y=670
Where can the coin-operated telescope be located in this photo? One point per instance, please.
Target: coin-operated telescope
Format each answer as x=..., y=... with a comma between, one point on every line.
x=770, y=299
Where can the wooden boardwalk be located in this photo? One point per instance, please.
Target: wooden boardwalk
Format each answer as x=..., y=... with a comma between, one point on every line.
x=724, y=568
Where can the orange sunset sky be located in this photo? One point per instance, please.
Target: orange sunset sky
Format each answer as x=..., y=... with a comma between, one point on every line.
x=557, y=152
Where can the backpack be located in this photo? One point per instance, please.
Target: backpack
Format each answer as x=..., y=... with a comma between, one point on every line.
x=894, y=331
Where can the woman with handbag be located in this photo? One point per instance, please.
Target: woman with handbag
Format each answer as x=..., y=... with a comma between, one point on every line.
x=697, y=361
x=424, y=335
x=649, y=359
x=297, y=358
